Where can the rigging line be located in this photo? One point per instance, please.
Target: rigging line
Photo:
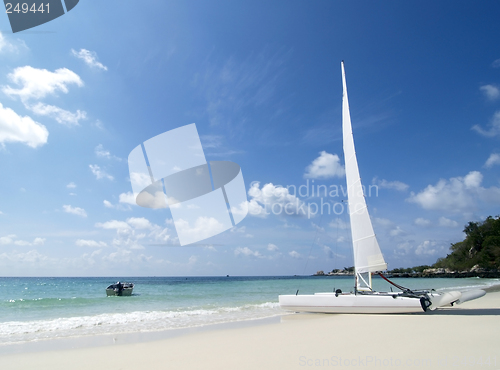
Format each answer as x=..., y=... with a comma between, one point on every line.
x=336, y=253
x=349, y=237
x=396, y=285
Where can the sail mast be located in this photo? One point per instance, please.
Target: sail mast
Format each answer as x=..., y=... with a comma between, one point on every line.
x=367, y=255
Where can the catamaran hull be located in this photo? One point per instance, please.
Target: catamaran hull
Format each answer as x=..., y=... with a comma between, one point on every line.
x=350, y=303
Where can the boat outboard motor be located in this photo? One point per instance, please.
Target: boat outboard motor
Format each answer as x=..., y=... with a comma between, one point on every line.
x=425, y=302
x=120, y=288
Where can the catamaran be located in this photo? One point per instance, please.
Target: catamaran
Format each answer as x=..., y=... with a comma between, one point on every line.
x=368, y=258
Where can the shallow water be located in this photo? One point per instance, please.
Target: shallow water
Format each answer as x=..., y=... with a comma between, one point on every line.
x=32, y=309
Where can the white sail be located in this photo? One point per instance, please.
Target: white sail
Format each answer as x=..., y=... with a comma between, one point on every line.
x=367, y=255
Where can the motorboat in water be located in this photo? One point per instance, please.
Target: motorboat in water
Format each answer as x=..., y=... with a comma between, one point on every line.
x=120, y=289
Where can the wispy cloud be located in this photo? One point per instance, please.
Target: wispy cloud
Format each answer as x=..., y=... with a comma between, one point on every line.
x=8, y=47
x=422, y=222
x=384, y=184
x=99, y=173
x=89, y=57
x=12, y=240
x=245, y=251
x=75, y=210
x=103, y=153
x=272, y=247
x=494, y=129
x=493, y=160
x=446, y=222
x=60, y=115
x=427, y=248
x=238, y=86
x=490, y=91
x=90, y=243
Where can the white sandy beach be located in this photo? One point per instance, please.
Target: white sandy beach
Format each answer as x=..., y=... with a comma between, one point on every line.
x=466, y=336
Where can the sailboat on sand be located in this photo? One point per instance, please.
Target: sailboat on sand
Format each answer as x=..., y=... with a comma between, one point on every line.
x=368, y=258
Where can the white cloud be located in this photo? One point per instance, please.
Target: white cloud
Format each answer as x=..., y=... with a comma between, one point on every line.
x=14, y=128
x=120, y=207
x=89, y=57
x=490, y=91
x=75, y=210
x=245, y=251
x=99, y=174
x=127, y=198
x=397, y=231
x=496, y=64
x=60, y=115
x=31, y=257
x=98, y=124
x=275, y=199
x=127, y=235
x=402, y=249
x=254, y=208
x=9, y=239
x=426, y=248
x=457, y=194
x=12, y=239
x=494, y=129
x=39, y=241
x=294, y=254
x=38, y=83
x=272, y=247
x=203, y=228
x=139, y=223
x=71, y=185
x=22, y=243
x=113, y=224
x=103, y=153
x=90, y=243
x=325, y=166
x=396, y=185
x=8, y=47
x=494, y=159
x=422, y=222
x=120, y=256
x=446, y=222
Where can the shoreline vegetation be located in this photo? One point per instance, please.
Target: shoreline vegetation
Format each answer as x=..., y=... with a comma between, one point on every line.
x=478, y=255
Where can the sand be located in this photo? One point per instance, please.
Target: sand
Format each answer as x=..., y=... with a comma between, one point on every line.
x=466, y=336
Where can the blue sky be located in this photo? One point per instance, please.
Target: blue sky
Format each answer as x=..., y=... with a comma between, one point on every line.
x=262, y=82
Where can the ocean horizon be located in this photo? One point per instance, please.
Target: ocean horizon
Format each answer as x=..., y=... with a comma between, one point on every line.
x=41, y=308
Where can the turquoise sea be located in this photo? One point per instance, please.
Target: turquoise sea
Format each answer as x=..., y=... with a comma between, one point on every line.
x=33, y=309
